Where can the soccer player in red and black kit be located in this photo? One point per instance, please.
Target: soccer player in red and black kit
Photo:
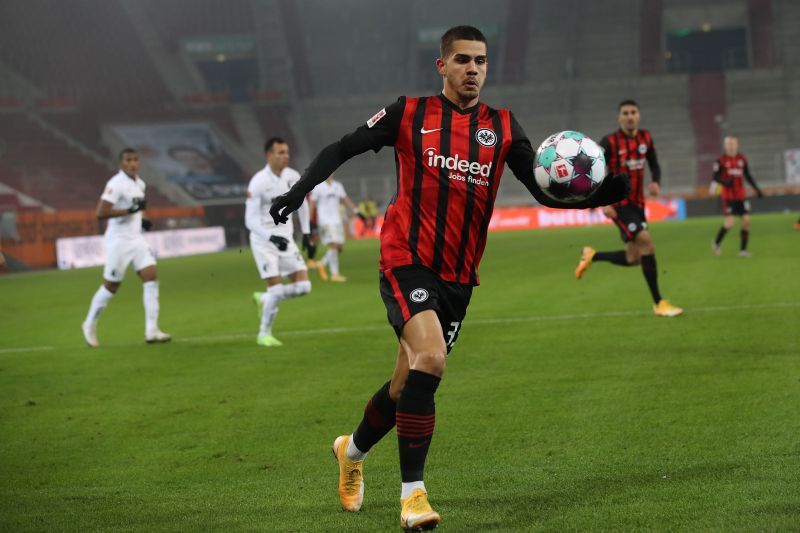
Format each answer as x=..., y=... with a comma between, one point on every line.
x=450, y=150
x=728, y=172
x=626, y=151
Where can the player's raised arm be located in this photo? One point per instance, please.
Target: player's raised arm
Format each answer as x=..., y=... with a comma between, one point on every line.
x=105, y=208
x=521, y=160
x=379, y=131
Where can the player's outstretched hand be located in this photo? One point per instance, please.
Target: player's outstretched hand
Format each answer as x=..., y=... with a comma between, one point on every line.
x=612, y=190
x=139, y=204
x=286, y=204
x=146, y=224
x=308, y=246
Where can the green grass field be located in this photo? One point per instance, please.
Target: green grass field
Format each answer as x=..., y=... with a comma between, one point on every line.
x=566, y=405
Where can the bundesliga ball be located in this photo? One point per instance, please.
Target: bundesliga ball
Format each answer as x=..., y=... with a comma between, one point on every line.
x=569, y=166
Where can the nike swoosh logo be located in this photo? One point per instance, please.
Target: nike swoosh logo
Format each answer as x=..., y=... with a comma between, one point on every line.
x=424, y=131
x=418, y=444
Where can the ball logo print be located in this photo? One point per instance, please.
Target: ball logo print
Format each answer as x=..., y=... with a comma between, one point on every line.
x=486, y=137
x=418, y=295
x=569, y=166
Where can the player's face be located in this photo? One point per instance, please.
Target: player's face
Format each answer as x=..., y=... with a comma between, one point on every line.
x=129, y=164
x=278, y=156
x=629, y=118
x=464, y=70
x=731, y=145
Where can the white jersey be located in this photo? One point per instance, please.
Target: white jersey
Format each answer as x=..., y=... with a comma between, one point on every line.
x=120, y=192
x=327, y=196
x=264, y=187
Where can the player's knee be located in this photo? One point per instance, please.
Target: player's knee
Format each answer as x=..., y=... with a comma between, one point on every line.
x=302, y=287
x=112, y=286
x=431, y=361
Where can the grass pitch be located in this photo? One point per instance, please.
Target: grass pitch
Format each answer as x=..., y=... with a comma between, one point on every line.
x=566, y=405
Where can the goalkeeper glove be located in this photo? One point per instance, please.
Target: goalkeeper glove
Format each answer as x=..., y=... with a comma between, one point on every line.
x=138, y=205
x=309, y=246
x=286, y=204
x=281, y=243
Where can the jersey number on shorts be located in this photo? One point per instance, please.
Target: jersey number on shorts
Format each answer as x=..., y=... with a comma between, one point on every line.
x=452, y=333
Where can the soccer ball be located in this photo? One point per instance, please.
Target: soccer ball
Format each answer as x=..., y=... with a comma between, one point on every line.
x=569, y=166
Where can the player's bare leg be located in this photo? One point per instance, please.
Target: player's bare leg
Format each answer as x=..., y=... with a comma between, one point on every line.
x=745, y=236
x=269, y=301
x=716, y=244
x=99, y=302
x=149, y=278
x=423, y=341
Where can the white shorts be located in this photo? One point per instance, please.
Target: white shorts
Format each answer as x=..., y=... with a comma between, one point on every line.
x=272, y=262
x=331, y=234
x=122, y=252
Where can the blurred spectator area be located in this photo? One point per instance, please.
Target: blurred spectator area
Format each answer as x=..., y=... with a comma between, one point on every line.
x=38, y=164
x=311, y=71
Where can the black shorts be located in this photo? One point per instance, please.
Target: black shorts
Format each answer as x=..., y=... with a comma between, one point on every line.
x=736, y=207
x=411, y=289
x=630, y=221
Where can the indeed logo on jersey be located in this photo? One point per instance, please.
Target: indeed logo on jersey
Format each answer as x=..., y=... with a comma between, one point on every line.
x=635, y=164
x=435, y=159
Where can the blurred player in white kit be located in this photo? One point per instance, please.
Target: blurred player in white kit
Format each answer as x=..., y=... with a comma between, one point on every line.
x=122, y=204
x=274, y=250
x=326, y=198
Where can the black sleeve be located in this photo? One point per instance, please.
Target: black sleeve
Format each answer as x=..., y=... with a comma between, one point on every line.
x=652, y=160
x=749, y=177
x=717, y=172
x=605, y=144
x=379, y=131
x=521, y=160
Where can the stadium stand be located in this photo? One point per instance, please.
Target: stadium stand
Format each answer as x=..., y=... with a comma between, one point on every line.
x=35, y=162
x=320, y=76
x=76, y=51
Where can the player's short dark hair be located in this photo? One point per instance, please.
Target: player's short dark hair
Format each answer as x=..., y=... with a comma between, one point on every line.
x=628, y=102
x=272, y=141
x=459, y=33
x=126, y=150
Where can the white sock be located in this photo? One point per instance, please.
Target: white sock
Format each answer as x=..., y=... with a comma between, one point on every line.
x=298, y=288
x=99, y=302
x=353, y=453
x=151, y=306
x=408, y=488
x=334, y=261
x=270, y=301
x=326, y=259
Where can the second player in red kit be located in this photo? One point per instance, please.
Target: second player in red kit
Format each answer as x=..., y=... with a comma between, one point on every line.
x=450, y=150
x=627, y=150
x=730, y=171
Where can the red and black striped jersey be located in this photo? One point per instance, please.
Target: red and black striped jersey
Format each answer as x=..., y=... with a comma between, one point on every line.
x=729, y=171
x=627, y=154
x=449, y=162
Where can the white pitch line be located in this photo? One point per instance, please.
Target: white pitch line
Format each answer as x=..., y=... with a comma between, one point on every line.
x=473, y=322
x=27, y=349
